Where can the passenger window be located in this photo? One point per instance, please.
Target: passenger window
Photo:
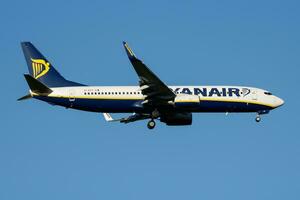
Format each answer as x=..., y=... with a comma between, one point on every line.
x=268, y=93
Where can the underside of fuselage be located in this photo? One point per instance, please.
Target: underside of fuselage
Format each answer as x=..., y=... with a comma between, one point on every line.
x=130, y=106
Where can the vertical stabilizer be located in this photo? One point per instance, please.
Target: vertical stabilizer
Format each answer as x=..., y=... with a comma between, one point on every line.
x=42, y=70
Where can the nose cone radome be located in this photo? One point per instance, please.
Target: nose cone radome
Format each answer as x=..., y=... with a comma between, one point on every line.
x=278, y=102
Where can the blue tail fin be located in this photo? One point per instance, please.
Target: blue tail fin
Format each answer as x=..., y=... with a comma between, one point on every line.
x=41, y=69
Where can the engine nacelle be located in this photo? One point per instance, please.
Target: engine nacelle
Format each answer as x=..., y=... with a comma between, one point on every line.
x=177, y=119
x=186, y=101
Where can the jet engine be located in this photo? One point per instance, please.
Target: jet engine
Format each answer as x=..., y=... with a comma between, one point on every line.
x=177, y=118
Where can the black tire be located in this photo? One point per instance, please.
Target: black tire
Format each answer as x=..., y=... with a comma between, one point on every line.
x=151, y=124
x=257, y=119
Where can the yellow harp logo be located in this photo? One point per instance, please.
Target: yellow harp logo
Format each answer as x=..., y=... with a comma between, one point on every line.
x=39, y=67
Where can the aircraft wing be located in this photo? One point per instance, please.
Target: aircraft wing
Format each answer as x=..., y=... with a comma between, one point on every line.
x=154, y=90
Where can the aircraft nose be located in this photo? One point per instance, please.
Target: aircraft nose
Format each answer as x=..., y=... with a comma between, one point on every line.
x=279, y=102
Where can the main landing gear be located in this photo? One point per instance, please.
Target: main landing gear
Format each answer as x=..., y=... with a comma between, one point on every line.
x=151, y=124
x=154, y=115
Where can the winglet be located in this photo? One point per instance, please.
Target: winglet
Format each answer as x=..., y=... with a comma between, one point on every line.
x=128, y=50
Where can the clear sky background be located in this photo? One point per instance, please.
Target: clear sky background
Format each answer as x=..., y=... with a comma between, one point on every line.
x=48, y=152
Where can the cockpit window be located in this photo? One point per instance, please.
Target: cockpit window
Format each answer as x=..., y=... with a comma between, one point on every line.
x=268, y=93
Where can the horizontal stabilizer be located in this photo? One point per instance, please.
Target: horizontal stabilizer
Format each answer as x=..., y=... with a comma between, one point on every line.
x=108, y=118
x=132, y=118
x=36, y=86
x=28, y=96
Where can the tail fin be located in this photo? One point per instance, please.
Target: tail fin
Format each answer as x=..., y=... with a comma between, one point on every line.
x=42, y=70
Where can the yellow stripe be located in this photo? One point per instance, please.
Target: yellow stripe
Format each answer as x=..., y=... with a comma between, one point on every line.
x=129, y=50
x=33, y=68
x=38, y=68
x=236, y=101
x=184, y=101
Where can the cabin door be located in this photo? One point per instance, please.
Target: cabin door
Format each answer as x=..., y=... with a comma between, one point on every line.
x=72, y=94
x=254, y=95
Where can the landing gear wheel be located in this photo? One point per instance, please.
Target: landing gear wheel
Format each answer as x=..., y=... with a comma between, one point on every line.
x=257, y=118
x=151, y=124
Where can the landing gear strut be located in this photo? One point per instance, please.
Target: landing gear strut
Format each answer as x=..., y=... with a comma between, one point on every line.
x=261, y=112
x=151, y=124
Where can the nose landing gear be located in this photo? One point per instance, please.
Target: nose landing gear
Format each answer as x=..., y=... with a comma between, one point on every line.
x=257, y=118
x=261, y=112
x=151, y=124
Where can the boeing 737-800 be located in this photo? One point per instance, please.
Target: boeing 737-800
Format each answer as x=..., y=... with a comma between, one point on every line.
x=152, y=99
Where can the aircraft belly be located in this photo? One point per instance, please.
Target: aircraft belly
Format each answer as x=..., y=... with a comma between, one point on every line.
x=107, y=105
x=225, y=106
x=95, y=105
x=127, y=106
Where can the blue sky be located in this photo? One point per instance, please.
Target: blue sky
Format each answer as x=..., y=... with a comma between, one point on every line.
x=49, y=152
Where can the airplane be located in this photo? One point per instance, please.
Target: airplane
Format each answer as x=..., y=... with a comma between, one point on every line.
x=151, y=100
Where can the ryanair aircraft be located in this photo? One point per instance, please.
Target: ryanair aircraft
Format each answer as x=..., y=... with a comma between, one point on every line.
x=152, y=99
